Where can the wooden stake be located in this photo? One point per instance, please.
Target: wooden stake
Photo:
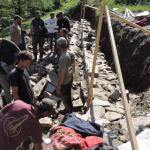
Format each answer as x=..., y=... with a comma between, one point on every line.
x=121, y=83
x=83, y=22
x=128, y=22
x=81, y=11
x=95, y=56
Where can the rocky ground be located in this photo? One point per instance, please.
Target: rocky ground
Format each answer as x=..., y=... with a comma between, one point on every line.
x=106, y=107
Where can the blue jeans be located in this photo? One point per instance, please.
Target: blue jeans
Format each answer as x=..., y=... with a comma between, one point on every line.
x=51, y=39
x=4, y=82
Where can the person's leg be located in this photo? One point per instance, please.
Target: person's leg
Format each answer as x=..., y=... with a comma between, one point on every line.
x=51, y=41
x=4, y=82
x=35, y=41
x=66, y=96
x=41, y=43
x=20, y=46
x=55, y=36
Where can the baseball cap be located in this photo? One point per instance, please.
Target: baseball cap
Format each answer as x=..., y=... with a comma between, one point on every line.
x=17, y=17
x=37, y=13
x=59, y=14
x=49, y=105
x=62, y=41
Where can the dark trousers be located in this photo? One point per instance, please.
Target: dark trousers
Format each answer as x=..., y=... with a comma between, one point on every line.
x=51, y=39
x=39, y=40
x=66, y=95
x=20, y=46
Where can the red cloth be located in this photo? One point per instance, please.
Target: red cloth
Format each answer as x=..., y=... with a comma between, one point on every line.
x=141, y=22
x=18, y=122
x=84, y=144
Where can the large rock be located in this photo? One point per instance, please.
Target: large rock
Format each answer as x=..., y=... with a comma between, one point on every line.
x=143, y=141
x=112, y=116
x=38, y=88
x=99, y=95
x=141, y=120
x=113, y=108
x=34, y=78
x=52, y=77
x=77, y=103
x=97, y=102
x=51, y=96
x=50, y=88
x=115, y=95
x=46, y=122
x=96, y=111
x=84, y=117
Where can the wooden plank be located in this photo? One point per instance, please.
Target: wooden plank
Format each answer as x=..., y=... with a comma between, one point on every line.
x=95, y=55
x=82, y=23
x=128, y=22
x=81, y=10
x=121, y=83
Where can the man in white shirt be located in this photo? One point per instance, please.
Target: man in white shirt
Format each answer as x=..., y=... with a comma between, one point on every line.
x=50, y=23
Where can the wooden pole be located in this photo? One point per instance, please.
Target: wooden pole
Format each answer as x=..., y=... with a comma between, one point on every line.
x=83, y=22
x=81, y=11
x=95, y=56
x=92, y=7
x=128, y=22
x=121, y=83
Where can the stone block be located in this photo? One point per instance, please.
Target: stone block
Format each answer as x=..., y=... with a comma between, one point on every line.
x=51, y=96
x=50, y=88
x=77, y=103
x=97, y=102
x=52, y=77
x=115, y=95
x=46, y=122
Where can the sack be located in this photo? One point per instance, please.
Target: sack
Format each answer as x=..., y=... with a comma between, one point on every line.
x=45, y=32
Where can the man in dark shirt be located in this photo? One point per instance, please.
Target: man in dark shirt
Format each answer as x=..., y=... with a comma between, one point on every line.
x=20, y=81
x=62, y=22
x=6, y=47
x=37, y=25
x=19, y=120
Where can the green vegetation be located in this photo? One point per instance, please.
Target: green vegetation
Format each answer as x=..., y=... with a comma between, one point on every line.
x=70, y=8
x=120, y=4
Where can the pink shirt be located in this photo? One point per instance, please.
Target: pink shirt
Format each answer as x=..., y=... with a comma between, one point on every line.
x=18, y=122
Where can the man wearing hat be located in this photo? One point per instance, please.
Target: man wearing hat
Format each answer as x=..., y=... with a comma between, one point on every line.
x=15, y=32
x=62, y=22
x=66, y=71
x=19, y=120
x=37, y=25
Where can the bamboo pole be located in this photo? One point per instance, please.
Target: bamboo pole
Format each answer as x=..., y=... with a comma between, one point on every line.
x=83, y=22
x=128, y=22
x=95, y=55
x=121, y=83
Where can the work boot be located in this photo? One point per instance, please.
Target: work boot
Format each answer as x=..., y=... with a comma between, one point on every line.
x=41, y=54
x=35, y=57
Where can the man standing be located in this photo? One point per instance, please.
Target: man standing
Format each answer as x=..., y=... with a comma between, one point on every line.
x=15, y=32
x=6, y=47
x=66, y=71
x=62, y=22
x=37, y=25
x=51, y=23
x=20, y=81
x=19, y=120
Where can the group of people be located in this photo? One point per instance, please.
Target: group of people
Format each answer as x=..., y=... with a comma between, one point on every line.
x=19, y=118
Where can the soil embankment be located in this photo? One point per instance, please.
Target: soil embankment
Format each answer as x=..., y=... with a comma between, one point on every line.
x=133, y=50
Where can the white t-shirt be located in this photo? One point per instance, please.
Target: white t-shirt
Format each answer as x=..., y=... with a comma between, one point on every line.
x=51, y=23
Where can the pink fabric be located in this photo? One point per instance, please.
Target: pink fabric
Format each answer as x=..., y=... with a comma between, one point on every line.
x=141, y=22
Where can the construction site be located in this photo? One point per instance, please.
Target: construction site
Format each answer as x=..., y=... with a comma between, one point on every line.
x=111, y=81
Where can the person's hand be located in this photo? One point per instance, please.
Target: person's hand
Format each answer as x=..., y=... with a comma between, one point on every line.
x=58, y=90
x=41, y=29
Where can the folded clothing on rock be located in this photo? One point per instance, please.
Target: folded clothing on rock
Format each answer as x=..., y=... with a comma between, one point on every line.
x=83, y=127
x=65, y=138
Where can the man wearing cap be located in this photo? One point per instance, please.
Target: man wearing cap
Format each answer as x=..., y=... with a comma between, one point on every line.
x=15, y=32
x=19, y=120
x=62, y=22
x=37, y=25
x=66, y=71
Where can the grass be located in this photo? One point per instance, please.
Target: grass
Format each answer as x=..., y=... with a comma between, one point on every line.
x=5, y=33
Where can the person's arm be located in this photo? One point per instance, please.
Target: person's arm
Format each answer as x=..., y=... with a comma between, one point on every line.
x=32, y=33
x=12, y=37
x=68, y=25
x=60, y=80
x=38, y=146
x=15, y=93
x=1, y=114
x=35, y=100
